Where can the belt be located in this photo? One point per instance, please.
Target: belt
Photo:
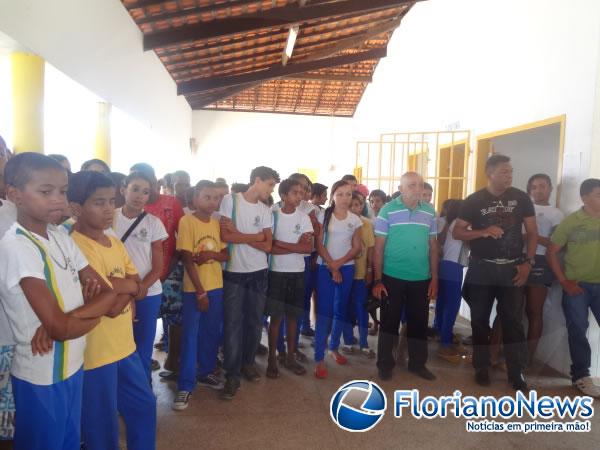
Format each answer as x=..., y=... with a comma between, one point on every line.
x=501, y=261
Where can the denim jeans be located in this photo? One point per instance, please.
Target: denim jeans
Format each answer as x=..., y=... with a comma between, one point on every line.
x=576, y=309
x=244, y=296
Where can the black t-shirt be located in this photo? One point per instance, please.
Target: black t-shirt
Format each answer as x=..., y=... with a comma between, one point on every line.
x=482, y=209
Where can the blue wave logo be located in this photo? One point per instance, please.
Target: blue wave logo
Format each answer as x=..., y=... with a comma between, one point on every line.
x=358, y=406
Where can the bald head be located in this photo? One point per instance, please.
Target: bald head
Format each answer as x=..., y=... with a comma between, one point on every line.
x=411, y=188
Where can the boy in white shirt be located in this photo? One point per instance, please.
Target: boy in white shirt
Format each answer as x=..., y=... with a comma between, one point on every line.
x=246, y=225
x=292, y=238
x=40, y=272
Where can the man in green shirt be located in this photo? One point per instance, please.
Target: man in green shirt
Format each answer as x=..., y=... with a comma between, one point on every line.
x=579, y=233
x=405, y=259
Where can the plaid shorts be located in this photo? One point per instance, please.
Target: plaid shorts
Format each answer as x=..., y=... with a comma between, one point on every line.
x=285, y=295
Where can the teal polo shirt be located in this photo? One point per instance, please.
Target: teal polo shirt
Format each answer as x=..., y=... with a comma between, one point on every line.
x=407, y=232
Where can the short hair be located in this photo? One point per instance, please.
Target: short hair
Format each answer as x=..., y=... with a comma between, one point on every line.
x=349, y=177
x=221, y=184
x=587, y=186
x=59, y=158
x=18, y=169
x=182, y=174
x=83, y=184
x=118, y=178
x=379, y=194
x=396, y=194
x=298, y=175
x=90, y=162
x=140, y=176
x=538, y=176
x=264, y=173
x=427, y=186
x=204, y=184
x=237, y=188
x=286, y=186
x=143, y=167
x=495, y=160
x=221, y=180
x=318, y=189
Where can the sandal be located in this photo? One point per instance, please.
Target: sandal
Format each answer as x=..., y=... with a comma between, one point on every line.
x=294, y=367
x=367, y=353
x=301, y=357
x=341, y=360
x=321, y=372
x=167, y=375
x=272, y=370
x=348, y=349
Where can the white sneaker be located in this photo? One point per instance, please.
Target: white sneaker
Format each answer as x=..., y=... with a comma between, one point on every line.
x=587, y=386
x=182, y=400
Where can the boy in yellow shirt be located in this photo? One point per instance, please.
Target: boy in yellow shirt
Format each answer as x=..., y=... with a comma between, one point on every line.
x=199, y=241
x=114, y=381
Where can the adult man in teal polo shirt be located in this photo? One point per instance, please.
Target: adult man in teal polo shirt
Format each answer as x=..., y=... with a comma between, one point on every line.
x=406, y=260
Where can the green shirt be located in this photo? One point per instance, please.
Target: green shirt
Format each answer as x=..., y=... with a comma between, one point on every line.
x=407, y=232
x=580, y=233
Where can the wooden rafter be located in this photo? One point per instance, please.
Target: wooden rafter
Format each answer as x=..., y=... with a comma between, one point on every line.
x=200, y=85
x=275, y=17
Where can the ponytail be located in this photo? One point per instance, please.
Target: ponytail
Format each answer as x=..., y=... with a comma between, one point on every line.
x=331, y=207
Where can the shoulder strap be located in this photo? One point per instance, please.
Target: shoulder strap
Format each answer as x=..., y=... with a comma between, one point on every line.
x=133, y=226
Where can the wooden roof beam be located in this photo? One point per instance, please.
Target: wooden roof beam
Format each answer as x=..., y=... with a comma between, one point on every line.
x=206, y=84
x=275, y=17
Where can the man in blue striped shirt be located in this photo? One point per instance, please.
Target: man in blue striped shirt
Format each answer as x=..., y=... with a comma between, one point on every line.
x=405, y=259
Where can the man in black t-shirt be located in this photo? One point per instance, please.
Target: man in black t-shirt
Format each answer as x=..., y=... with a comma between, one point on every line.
x=491, y=220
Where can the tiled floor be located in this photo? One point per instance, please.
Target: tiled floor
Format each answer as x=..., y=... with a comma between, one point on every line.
x=292, y=412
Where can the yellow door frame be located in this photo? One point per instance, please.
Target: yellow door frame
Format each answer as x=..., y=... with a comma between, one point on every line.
x=485, y=148
x=451, y=178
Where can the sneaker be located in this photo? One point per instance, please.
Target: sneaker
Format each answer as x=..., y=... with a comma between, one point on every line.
x=211, y=381
x=518, y=383
x=230, y=389
x=309, y=332
x=182, y=400
x=385, y=375
x=587, y=386
x=250, y=373
x=482, y=377
x=423, y=372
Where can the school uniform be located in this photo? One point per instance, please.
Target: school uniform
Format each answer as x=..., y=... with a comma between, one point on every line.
x=114, y=381
x=139, y=246
x=47, y=388
x=286, y=272
x=358, y=293
x=332, y=307
x=202, y=330
x=8, y=216
x=450, y=283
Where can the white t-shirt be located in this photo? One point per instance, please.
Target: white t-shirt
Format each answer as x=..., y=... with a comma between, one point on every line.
x=8, y=216
x=452, y=247
x=339, y=235
x=547, y=218
x=139, y=243
x=248, y=218
x=288, y=228
x=22, y=256
x=306, y=207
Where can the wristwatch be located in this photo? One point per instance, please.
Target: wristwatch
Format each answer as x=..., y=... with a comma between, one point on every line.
x=531, y=261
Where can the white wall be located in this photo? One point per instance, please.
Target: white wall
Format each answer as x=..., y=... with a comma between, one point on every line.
x=539, y=146
x=96, y=43
x=230, y=144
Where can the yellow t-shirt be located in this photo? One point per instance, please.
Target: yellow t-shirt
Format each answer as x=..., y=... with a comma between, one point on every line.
x=195, y=236
x=368, y=240
x=112, y=339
